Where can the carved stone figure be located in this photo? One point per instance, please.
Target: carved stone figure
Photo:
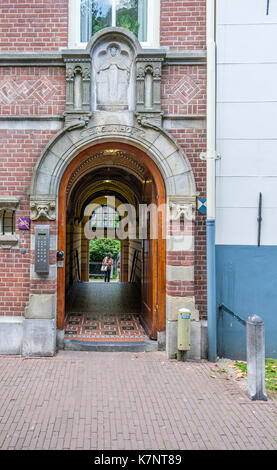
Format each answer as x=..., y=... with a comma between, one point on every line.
x=112, y=79
x=180, y=209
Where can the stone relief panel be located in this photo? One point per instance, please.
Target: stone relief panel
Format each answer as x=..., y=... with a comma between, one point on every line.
x=112, y=71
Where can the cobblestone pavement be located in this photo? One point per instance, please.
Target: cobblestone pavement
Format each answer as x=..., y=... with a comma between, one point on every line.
x=122, y=401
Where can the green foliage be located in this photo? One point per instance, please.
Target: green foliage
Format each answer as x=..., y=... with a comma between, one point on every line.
x=128, y=20
x=100, y=247
x=126, y=15
x=241, y=365
x=270, y=372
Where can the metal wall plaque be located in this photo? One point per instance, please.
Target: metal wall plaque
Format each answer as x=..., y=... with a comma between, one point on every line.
x=42, y=246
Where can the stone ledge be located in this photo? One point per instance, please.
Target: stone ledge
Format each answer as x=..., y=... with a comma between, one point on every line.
x=30, y=59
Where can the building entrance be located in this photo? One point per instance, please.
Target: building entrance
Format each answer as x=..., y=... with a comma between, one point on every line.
x=112, y=201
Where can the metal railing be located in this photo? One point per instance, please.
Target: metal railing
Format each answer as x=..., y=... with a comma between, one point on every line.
x=95, y=269
x=234, y=315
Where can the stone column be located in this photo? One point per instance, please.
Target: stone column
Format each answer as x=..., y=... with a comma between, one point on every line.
x=180, y=273
x=255, y=358
x=39, y=330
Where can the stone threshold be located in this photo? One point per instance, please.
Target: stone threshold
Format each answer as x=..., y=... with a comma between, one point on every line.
x=134, y=346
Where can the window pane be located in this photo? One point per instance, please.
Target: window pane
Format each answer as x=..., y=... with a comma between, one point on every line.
x=132, y=15
x=95, y=15
x=7, y=222
x=105, y=217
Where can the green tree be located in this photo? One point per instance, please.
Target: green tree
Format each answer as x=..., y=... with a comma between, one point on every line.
x=127, y=16
x=100, y=247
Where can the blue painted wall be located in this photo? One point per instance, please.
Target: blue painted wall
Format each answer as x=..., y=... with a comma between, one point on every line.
x=246, y=279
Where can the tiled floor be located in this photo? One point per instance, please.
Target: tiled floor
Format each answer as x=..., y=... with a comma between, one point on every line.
x=104, y=312
x=104, y=327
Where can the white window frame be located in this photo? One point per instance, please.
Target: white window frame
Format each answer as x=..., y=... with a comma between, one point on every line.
x=153, y=25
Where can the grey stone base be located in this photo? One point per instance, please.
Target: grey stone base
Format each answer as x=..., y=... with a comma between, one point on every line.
x=198, y=340
x=11, y=334
x=39, y=337
x=60, y=339
x=161, y=340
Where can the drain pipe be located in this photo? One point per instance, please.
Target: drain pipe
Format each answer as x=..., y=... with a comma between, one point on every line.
x=210, y=157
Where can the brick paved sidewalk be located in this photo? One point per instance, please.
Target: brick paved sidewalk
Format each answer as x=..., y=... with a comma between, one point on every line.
x=94, y=400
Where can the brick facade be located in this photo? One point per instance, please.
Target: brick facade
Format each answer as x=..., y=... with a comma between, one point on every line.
x=184, y=89
x=33, y=25
x=40, y=26
x=19, y=153
x=183, y=24
x=32, y=90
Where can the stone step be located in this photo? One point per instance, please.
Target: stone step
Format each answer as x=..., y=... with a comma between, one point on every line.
x=110, y=346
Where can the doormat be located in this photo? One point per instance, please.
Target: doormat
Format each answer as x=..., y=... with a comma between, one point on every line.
x=82, y=326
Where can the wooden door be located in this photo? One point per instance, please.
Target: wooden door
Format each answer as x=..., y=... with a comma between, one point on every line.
x=149, y=267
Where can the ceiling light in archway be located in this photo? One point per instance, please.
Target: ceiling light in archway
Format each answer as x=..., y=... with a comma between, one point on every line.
x=111, y=150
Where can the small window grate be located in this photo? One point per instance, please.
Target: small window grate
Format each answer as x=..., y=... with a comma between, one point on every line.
x=7, y=222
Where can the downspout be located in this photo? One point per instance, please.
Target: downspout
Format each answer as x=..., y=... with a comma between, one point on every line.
x=210, y=157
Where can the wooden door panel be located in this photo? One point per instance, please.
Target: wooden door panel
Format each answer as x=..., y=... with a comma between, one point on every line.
x=149, y=270
x=147, y=294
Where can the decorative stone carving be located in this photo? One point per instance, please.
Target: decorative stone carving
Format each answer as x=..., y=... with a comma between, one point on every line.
x=182, y=207
x=112, y=63
x=112, y=80
x=111, y=129
x=75, y=122
x=78, y=75
x=153, y=121
x=148, y=89
x=43, y=209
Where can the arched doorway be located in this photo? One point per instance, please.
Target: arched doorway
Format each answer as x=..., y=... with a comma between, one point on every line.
x=128, y=121
x=113, y=167
x=66, y=156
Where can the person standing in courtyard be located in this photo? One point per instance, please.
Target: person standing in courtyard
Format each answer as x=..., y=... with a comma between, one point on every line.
x=107, y=263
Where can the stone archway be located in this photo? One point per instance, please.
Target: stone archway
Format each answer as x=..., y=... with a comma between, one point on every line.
x=92, y=122
x=57, y=160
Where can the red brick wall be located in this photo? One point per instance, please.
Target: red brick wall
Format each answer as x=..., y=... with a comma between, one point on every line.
x=36, y=25
x=19, y=153
x=183, y=24
x=193, y=142
x=32, y=90
x=33, y=25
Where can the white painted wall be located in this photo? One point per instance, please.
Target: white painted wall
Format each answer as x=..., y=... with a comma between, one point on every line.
x=246, y=121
